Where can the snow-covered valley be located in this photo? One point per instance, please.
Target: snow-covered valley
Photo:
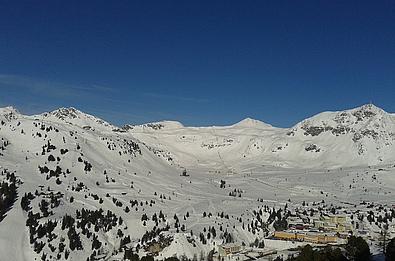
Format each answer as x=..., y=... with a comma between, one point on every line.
x=88, y=189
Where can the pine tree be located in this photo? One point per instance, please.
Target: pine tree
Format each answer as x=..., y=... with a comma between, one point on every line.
x=390, y=250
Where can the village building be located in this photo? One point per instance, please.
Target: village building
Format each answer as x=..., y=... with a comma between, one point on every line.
x=317, y=238
x=333, y=223
x=229, y=249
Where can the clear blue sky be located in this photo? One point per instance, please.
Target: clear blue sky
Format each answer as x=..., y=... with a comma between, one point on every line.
x=199, y=62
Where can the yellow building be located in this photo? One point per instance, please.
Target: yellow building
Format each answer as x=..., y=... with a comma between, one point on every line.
x=300, y=237
x=285, y=235
x=316, y=238
x=320, y=239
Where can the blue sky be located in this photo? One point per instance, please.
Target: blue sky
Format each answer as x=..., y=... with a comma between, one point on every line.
x=198, y=62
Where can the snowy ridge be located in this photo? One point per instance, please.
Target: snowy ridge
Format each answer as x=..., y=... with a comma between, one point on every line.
x=360, y=136
x=156, y=126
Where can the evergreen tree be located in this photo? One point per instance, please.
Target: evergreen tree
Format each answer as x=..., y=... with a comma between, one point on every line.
x=358, y=249
x=390, y=250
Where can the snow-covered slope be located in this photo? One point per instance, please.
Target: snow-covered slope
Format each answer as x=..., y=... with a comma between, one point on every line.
x=208, y=145
x=104, y=183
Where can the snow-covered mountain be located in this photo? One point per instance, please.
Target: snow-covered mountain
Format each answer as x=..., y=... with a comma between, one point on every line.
x=75, y=186
x=75, y=117
x=364, y=135
x=360, y=136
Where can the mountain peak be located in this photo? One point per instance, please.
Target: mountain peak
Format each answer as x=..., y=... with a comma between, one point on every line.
x=9, y=113
x=369, y=106
x=367, y=118
x=63, y=113
x=74, y=116
x=368, y=109
x=9, y=109
x=252, y=123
